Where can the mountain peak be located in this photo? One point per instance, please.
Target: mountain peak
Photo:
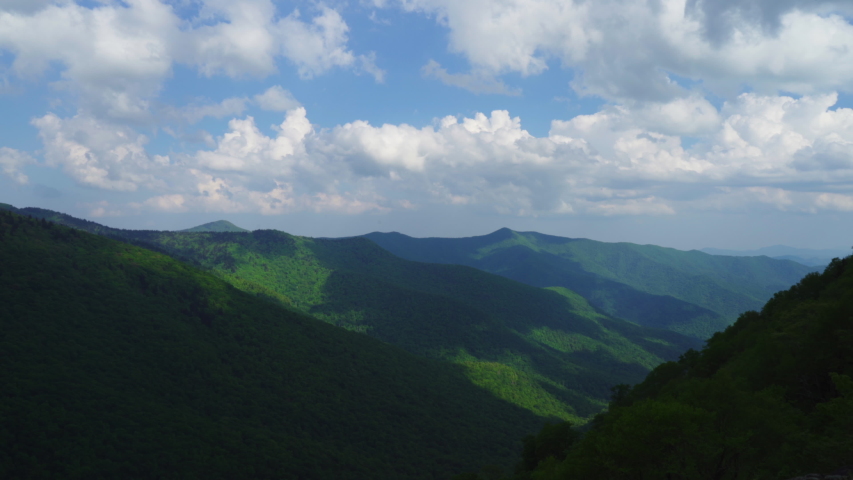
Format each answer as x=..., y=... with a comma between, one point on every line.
x=218, y=226
x=500, y=233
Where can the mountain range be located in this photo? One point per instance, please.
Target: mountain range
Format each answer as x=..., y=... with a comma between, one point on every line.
x=546, y=350
x=219, y=352
x=692, y=293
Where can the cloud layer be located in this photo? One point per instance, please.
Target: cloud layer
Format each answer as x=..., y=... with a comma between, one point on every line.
x=677, y=134
x=776, y=152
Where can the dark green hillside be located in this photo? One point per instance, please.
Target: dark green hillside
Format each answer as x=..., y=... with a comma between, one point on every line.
x=771, y=397
x=118, y=362
x=688, y=292
x=218, y=226
x=547, y=351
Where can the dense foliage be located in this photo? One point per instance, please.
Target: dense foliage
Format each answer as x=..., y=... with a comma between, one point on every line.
x=688, y=292
x=548, y=351
x=119, y=362
x=771, y=397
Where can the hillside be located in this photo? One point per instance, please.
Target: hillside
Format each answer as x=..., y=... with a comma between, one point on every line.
x=688, y=292
x=771, y=397
x=218, y=226
x=548, y=351
x=119, y=362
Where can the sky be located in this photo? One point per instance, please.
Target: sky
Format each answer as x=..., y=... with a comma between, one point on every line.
x=682, y=123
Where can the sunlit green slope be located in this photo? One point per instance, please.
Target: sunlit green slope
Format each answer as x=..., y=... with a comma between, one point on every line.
x=118, y=362
x=689, y=292
x=545, y=350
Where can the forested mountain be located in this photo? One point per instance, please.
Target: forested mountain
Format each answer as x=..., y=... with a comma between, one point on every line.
x=218, y=226
x=119, y=362
x=771, y=397
x=688, y=292
x=545, y=350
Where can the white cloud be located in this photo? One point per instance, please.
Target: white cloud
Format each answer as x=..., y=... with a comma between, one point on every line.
x=100, y=154
x=763, y=152
x=320, y=45
x=629, y=49
x=835, y=201
x=276, y=99
x=473, y=82
x=116, y=56
x=246, y=149
x=195, y=113
x=12, y=163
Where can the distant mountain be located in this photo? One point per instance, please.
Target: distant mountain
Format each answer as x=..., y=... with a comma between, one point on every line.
x=118, y=362
x=769, y=398
x=693, y=293
x=548, y=351
x=218, y=226
x=804, y=256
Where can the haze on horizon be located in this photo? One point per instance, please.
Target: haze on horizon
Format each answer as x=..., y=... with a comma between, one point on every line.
x=682, y=123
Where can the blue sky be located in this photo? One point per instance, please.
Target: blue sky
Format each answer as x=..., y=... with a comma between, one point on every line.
x=681, y=123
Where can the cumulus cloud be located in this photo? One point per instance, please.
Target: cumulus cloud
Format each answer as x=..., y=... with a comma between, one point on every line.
x=318, y=46
x=770, y=152
x=634, y=49
x=116, y=56
x=276, y=99
x=12, y=163
x=101, y=155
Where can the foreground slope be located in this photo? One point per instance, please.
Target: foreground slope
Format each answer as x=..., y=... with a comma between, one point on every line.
x=545, y=350
x=771, y=397
x=689, y=292
x=118, y=362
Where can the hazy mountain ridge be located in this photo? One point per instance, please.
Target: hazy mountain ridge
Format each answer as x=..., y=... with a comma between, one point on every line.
x=120, y=362
x=689, y=292
x=805, y=256
x=531, y=346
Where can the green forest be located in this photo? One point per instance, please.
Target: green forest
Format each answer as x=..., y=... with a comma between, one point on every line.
x=217, y=352
x=547, y=351
x=692, y=293
x=770, y=397
x=120, y=362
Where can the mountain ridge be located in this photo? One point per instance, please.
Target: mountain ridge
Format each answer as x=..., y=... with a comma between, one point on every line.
x=690, y=292
x=528, y=345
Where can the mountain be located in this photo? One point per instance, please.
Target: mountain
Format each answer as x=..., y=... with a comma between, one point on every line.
x=119, y=362
x=218, y=226
x=547, y=351
x=771, y=397
x=804, y=256
x=692, y=293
